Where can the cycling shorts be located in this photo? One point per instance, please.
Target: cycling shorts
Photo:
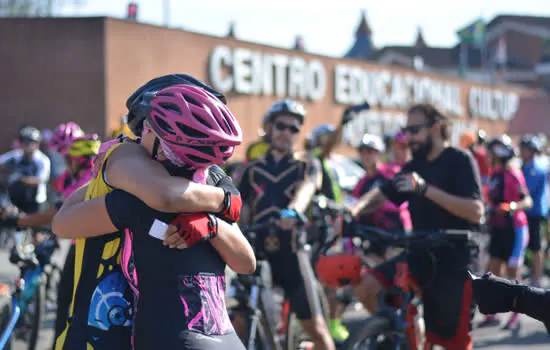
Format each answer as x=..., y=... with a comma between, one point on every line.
x=190, y=340
x=509, y=244
x=446, y=296
x=535, y=223
x=294, y=280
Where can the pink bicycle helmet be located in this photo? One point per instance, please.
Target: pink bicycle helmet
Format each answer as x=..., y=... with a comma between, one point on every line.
x=63, y=137
x=194, y=127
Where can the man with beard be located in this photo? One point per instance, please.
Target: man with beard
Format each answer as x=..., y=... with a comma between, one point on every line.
x=442, y=185
x=279, y=186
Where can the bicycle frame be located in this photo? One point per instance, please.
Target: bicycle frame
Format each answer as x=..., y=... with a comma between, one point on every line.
x=402, y=315
x=24, y=289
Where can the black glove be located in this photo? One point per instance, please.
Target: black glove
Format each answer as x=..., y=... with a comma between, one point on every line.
x=9, y=218
x=349, y=113
x=348, y=225
x=410, y=183
x=232, y=203
x=495, y=294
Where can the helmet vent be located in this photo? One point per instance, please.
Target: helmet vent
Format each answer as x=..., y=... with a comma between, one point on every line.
x=190, y=131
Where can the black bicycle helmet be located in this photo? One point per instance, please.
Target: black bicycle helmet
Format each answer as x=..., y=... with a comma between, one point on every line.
x=502, y=147
x=135, y=120
x=29, y=133
x=532, y=142
x=287, y=107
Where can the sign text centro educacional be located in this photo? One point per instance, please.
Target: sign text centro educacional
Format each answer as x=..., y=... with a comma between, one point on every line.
x=252, y=72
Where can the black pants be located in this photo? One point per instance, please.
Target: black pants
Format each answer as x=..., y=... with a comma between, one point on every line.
x=65, y=293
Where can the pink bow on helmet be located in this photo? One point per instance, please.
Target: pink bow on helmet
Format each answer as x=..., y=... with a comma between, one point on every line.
x=194, y=127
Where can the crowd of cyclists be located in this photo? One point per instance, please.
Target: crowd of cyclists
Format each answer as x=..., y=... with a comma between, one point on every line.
x=154, y=219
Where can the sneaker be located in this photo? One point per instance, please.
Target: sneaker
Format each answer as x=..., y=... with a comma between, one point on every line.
x=513, y=323
x=337, y=330
x=489, y=321
x=535, y=284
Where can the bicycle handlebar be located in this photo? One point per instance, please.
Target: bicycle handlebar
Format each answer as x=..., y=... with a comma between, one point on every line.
x=416, y=239
x=325, y=203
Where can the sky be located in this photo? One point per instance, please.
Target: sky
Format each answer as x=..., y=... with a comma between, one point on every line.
x=326, y=28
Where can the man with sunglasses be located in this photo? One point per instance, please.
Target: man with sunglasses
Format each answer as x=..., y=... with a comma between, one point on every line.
x=29, y=172
x=442, y=185
x=279, y=186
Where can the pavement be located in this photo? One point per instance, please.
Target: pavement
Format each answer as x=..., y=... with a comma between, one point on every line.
x=532, y=334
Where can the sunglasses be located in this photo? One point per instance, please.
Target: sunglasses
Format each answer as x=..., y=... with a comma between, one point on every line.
x=415, y=129
x=282, y=127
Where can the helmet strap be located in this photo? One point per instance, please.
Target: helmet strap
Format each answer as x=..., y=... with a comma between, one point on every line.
x=156, y=145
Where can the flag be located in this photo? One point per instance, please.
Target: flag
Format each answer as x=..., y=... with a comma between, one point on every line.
x=474, y=33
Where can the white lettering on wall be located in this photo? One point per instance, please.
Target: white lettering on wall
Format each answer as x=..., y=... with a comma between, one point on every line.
x=492, y=104
x=252, y=72
x=256, y=73
x=354, y=85
x=221, y=57
x=372, y=122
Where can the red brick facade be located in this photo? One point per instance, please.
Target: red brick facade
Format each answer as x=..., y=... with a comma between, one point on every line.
x=56, y=70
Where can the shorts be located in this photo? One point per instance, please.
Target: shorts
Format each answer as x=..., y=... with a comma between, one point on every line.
x=509, y=244
x=297, y=280
x=535, y=223
x=191, y=340
x=446, y=295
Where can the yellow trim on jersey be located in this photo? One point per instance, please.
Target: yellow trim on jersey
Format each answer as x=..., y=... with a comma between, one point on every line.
x=96, y=188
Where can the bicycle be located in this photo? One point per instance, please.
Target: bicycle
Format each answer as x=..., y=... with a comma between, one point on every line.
x=268, y=324
x=324, y=216
x=23, y=318
x=392, y=326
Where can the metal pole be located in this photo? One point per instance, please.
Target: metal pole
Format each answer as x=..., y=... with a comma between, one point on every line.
x=166, y=12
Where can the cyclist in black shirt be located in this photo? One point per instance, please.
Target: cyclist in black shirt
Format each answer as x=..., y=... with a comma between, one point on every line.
x=280, y=185
x=442, y=185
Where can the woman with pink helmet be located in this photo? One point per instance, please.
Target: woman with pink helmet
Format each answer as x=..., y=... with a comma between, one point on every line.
x=63, y=137
x=190, y=132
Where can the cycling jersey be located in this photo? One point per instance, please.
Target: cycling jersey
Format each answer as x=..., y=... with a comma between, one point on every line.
x=389, y=216
x=509, y=232
x=67, y=184
x=101, y=310
x=178, y=291
x=27, y=197
x=329, y=187
x=536, y=178
x=257, y=149
x=267, y=186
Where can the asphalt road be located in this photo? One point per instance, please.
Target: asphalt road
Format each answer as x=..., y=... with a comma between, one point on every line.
x=532, y=334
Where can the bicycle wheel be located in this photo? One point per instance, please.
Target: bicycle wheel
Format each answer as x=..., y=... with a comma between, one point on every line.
x=5, y=314
x=53, y=278
x=35, y=313
x=375, y=334
x=296, y=338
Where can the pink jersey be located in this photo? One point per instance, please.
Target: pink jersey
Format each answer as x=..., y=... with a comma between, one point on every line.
x=389, y=216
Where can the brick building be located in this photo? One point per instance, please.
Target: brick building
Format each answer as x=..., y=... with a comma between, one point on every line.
x=83, y=69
